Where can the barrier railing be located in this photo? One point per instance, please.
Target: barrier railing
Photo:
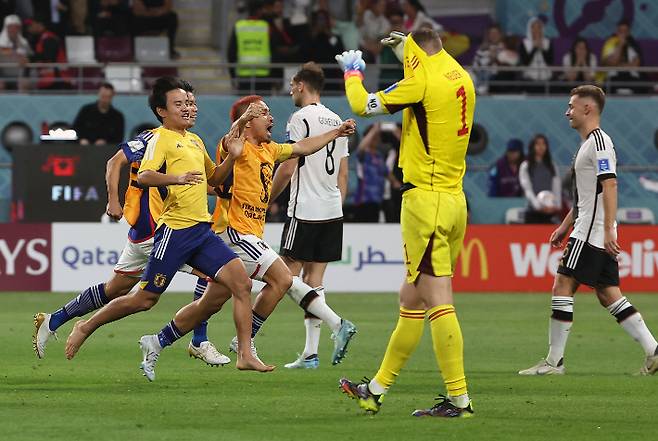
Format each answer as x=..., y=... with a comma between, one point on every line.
x=136, y=77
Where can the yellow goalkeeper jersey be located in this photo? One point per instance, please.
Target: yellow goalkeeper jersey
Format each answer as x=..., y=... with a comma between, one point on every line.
x=438, y=100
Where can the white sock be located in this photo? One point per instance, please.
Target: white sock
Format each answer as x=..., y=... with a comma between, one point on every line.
x=319, y=308
x=460, y=401
x=313, y=329
x=631, y=320
x=376, y=388
x=559, y=328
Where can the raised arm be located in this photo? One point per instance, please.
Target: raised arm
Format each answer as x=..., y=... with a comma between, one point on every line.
x=396, y=97
x=308, y=146
x=234, y=147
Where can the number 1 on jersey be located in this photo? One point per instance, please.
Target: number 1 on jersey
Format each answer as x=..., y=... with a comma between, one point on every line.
x=461, y=93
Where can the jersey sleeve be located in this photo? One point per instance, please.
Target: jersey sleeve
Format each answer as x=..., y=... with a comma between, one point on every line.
x=402, y=94
x=209, y=164
x=605, y=158
x=297, y=128
x=135, y=148
x=155, y=154
x=390, y=100
x=281, y=151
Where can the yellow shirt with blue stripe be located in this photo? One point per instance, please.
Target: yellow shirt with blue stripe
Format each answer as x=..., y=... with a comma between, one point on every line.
x=437, y=97
x=175, y=154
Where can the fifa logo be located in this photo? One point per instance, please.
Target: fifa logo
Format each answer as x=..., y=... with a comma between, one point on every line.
x=465, y=259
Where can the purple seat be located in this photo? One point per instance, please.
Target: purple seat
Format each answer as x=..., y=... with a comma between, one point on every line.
x=114, y=49
x=152, y=73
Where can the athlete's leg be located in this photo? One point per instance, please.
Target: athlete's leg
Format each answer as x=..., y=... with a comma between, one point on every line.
x=278, y=280
x=127, y=272
x=117, y=309
x=630, y=319
x=88, y=300
x=313, y=276
x=562, y=302
x=403, y=340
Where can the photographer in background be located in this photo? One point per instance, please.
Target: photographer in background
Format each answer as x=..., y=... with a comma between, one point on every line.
x=392, y=203
x=372, y=175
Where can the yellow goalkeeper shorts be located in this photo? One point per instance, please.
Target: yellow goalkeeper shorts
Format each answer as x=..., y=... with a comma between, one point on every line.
x=433, y=226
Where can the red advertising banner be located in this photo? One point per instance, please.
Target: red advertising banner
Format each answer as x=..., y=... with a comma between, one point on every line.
x=25, y=257
x=503, y=258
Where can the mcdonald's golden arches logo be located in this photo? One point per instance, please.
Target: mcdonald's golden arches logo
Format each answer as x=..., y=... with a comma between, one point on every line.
x=465, y=257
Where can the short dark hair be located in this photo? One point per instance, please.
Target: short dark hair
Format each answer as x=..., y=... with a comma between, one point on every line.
x=158, y=95
x=187, y=86
x=106, y=85
x=590, y=91
x=311, y=75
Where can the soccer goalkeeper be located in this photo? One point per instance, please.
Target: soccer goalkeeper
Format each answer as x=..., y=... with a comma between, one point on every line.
x=438, y=99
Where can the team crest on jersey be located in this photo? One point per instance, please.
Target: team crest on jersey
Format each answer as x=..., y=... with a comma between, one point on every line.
x=159, y=280
x=196, y=144
x=604, y=165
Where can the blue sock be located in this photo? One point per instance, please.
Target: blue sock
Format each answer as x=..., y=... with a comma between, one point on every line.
x=201, y=331
x=89, y=300
x=256, y=322
x=169, y=334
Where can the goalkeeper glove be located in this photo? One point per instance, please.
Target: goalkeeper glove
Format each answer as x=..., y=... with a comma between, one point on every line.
x=396, y=41
x=351, y=62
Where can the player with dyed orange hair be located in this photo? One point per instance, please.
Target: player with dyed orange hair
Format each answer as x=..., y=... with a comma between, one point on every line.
x=239, y=216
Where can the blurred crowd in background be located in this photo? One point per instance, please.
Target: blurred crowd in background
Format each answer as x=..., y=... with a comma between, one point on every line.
x=296, y=31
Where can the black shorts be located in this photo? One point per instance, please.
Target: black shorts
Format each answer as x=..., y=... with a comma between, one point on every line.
x=589, y=265
x=312, y=241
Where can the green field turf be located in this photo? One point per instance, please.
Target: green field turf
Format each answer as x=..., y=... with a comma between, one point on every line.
x=101, y=395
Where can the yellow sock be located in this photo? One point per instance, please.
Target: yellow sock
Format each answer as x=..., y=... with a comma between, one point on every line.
x=403, y=342
x=448, y=347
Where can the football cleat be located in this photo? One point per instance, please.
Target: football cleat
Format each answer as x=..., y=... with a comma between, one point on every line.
x=310, y=362
x=208, y=353
x=42, y=333
x=233, y=347
x=341, y=340
x=650, y=365
x=444, y=408
x=361, y=392
x=151, y=351
x=543, y=368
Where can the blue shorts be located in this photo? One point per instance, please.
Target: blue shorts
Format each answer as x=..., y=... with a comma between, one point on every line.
x=197, y=246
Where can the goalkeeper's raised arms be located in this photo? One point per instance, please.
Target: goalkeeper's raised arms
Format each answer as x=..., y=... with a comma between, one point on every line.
x=395, y=41
x=351, y=62
x=361, y=102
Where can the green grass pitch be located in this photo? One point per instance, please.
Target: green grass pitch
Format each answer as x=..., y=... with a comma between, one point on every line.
x=101, y=395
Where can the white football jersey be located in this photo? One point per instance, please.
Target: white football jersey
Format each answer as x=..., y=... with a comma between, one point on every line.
x=595, y=161
x=314, y=193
